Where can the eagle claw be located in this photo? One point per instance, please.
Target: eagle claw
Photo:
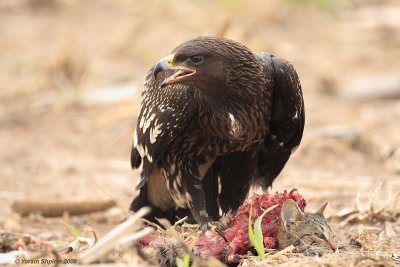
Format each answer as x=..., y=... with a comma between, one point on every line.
x=215, y=229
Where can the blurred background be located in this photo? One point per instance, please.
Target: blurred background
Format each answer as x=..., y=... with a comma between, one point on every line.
x=71, y=74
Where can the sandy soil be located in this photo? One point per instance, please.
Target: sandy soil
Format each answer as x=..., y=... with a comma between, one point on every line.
x=71, y=75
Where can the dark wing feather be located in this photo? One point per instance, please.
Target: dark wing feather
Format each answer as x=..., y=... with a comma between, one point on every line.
x=287, y=121
x=164, y=113
x=136, y=159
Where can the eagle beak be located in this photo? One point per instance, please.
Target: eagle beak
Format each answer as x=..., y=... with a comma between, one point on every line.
x=167, y=64
x=163, y=64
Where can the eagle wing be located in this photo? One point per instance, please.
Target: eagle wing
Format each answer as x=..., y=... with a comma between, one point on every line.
x=164, y=113
x=285, y=132
x=287, y=120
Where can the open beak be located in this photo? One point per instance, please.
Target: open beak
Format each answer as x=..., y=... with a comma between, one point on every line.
x=167, y=64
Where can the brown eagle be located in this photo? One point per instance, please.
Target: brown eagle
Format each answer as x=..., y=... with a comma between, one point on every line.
x=215, y=118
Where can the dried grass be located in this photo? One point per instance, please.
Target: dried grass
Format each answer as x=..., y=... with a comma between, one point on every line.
x=378, y=203
x=287, y=257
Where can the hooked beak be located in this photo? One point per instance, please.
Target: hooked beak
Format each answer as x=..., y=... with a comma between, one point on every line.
x=167, y=64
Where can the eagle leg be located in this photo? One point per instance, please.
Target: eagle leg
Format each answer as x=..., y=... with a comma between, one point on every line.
x=210, y=189
x=236, y=172
x=196, y=202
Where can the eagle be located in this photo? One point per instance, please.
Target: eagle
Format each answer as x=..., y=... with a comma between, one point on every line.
x=215, y=119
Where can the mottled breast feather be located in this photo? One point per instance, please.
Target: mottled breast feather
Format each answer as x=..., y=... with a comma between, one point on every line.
x=164, y=113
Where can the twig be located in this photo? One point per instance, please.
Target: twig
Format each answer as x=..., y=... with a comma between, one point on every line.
x=105, y=244
x=180, y=221
x=54, y=208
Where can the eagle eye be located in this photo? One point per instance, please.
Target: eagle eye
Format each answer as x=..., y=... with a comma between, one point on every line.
x=198, y=59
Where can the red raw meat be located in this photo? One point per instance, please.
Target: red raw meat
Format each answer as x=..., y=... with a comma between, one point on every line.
x=237, y=234
x=147, y=239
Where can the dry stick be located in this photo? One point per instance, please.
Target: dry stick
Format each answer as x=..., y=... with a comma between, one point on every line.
x=180, y=221
x=54, y=208
x=108, y=242
x=156, y=226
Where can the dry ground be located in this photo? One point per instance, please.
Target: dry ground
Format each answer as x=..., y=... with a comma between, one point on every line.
x=70, y=78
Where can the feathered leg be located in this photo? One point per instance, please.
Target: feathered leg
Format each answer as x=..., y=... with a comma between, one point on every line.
x=236, y=172
x=210, y=189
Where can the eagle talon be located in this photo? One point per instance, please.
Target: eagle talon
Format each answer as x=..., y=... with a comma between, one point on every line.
x=215, y=229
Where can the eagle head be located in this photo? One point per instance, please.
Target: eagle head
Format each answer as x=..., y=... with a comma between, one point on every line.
x=212, y=64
